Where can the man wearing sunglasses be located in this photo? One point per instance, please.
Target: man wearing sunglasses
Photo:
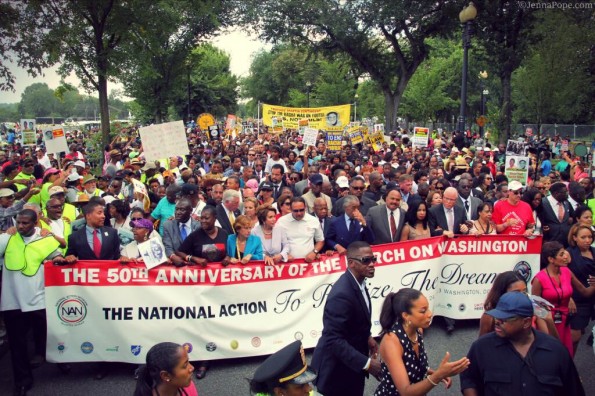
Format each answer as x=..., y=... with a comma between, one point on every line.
x=304, y=233
x=513, y=216
x=346, y=352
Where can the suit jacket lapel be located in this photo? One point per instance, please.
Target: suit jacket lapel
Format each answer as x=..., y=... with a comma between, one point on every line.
x=386, y=224
x=360, y=296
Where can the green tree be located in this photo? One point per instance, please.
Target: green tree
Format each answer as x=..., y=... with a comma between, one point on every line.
x=9, y=29
x=539, y=94
x=386, y=39
x=37, y=100
x=162, y=45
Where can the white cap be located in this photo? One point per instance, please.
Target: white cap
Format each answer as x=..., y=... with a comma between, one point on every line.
x=514, y=185
x=342, y=182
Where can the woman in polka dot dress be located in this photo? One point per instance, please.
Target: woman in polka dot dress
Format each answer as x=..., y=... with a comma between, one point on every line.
x=405, y=367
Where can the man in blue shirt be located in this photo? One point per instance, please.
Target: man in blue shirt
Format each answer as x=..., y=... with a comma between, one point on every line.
x=166, y=207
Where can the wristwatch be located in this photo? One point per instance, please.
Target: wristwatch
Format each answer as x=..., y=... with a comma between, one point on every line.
x=316, y=251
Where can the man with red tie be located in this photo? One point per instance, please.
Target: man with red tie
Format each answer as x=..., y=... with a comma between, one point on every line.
x=94, y=241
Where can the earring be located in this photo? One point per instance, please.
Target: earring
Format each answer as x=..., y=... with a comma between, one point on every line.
x=167, y=380
x=408, y=323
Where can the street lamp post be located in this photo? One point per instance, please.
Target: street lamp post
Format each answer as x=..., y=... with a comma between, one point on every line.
x=308, y=86
x=355, y=108
x=482, y=77
x=466, y=17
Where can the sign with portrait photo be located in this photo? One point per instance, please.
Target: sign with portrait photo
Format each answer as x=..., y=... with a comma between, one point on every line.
x=152, y=252
x=55, y=140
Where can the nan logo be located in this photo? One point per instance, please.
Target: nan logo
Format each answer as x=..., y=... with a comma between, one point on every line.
x=72, y=310
x=135, y=349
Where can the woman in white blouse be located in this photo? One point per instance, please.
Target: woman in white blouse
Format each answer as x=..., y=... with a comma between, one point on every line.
x=274, y=239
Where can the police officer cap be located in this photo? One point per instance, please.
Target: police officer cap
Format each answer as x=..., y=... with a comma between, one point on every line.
x=287, y=366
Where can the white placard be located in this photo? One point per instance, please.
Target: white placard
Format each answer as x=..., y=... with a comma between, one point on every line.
x=55, y=140
x=310, y=137
x=152, y=252
x=164, y=140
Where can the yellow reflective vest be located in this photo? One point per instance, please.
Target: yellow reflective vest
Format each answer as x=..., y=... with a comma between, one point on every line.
x=27, y=258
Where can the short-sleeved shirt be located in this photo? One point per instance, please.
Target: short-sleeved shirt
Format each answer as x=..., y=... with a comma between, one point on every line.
x=301, y=235
x=503, y=211
x=498, y=369
x=163, y=211
x=199, y=244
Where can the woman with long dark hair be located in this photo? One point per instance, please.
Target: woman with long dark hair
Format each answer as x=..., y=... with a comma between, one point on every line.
x=416, y=222
x=167, y=372
x=404, y=361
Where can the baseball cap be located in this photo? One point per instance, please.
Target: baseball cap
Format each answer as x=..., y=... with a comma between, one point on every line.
x=74, y=177
x=514, y=185
x=316, y=178
x=512, y=304
x=189, y=189
x=342, y=182
x=6, y=192
x=266, y=186
x=55, y=190
x=79, y=163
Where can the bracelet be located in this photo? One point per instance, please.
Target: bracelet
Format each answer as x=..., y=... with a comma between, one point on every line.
x=431, y=382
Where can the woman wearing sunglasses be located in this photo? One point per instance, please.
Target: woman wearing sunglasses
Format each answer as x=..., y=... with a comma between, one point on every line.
x=142, y=229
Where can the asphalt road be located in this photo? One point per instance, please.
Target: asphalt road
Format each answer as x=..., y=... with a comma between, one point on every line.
x=229, y=377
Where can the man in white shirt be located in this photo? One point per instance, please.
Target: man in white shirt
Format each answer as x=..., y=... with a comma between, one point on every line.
x=23, y=294
x=42, y=158
x=303, y=230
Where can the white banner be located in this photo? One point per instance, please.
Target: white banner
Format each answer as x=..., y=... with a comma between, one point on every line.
x=164, y=140
x=103, y=311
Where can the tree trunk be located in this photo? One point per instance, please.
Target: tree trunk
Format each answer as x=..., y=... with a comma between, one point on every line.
x=104, y=112
x=506, y=113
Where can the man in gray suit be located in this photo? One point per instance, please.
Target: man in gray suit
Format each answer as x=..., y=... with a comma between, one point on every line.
x=466, y=201
x=178, y=228
x=387, y=220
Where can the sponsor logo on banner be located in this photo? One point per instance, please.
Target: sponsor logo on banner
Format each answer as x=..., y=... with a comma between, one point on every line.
x=462, y=307
x=478, y=307
x=298, y=336
x=113, y=349
x=255, y=342
x=135, y=349
x=314, y=334
x=211, y=347
x=187, y=346
x=72, y=310
x=61, y=347
x=523, y=268
x=86, y=347
x=234, y=344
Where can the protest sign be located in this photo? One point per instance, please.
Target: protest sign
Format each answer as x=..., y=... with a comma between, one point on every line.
x=310, y=137
x=420, y=137
x=28, y=132
x=205, y=120
x=334, y=141
x=103, y=311
x=164, y=140
x=55, y=140
x=517, y=168
x=302, y=125
x=152, y=252
x=376, y=138
x=355, y=135
x=331, y=118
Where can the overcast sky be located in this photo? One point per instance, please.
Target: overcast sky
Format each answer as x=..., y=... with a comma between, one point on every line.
x=238, y=45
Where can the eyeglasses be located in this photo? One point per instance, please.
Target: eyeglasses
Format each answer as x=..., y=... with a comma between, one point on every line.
x=465, y=187
x=287, y=203
x=359, y=188
x=439, y=187
x=55, y=206
x=294, y=179
x=366, y=260
x=298, y=210
x=517, y=192
x=488, y=178
x=251, y=154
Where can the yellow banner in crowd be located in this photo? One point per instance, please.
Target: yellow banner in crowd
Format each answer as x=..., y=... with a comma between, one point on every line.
x=331, y=118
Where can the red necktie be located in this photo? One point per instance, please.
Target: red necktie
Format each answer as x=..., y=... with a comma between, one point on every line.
x=393, y=226
x=96, y=244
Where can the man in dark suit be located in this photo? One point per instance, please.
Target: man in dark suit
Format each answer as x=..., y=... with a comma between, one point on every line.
x=94, y=241
x=387, y=220
x=556, y=215
x=228, y=210
x=321, y=213
x=175, y=231
x=346, y=353
x=448, y=219
x=356, y=187
x=348, y=228
x=465, y=201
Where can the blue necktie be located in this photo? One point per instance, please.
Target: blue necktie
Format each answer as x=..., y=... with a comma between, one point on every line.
x=183, y=232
